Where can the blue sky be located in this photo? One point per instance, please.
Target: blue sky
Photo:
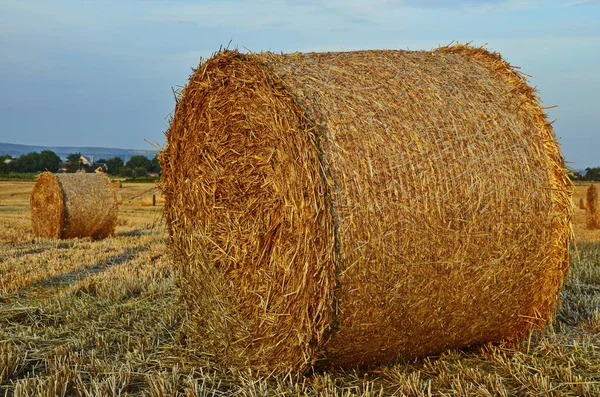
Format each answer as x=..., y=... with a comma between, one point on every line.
x=99, y=73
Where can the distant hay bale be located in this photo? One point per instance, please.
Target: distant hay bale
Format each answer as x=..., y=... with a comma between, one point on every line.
x=592, y=215
x=582, y=205
x=353, y=208
x=73, y=205
x=149, y=201
x=117, y=185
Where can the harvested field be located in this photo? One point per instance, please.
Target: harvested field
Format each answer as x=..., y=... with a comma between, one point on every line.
x=90, y=318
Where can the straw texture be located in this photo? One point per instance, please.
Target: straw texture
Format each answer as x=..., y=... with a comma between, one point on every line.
x=73, y=205
x=344, y=209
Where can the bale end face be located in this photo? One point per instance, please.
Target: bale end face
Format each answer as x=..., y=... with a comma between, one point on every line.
x=47, y=207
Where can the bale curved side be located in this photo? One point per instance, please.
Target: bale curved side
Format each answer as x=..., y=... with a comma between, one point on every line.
x=355, y=208
x=90, y=205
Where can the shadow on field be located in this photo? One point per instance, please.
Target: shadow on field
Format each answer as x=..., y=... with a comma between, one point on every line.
x=138, y=232
x=84, y=270
x=12, y=250
x=4, y=256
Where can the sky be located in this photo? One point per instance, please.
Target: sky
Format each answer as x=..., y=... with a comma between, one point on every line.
x=101, y=73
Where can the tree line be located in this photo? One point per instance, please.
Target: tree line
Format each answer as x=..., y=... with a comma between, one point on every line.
x=47, y=160
x=591, y=174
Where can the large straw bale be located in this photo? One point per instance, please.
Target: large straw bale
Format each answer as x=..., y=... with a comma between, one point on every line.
x=73, y=205
x=352, y=208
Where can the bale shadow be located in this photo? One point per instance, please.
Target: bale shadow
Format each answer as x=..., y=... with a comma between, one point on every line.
x=24, y=248
x=138, y=232
x=83, y=271
x=20, y=254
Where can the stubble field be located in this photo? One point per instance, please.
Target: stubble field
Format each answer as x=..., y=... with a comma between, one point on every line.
x=101, y=318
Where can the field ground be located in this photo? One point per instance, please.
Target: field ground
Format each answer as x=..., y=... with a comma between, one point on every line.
x=100, y=318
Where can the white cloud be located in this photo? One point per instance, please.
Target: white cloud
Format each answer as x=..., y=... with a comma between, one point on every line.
x=582, y=3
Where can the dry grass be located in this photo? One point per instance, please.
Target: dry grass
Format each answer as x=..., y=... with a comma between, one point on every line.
x=96, y=318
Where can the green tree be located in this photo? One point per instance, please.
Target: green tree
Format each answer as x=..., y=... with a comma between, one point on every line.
x=140, y=172
x=155, y=165
x=29, y=162
x=48, y=161
x=114, y=165
x=592, y=174
x=125, y=171
x=5, y=167
x=73, y=162
x=139, y=161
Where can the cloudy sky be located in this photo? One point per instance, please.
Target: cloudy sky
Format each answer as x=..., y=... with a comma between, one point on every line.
x=100, y=73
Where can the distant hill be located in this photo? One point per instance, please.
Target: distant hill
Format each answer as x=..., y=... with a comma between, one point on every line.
x=95, y=152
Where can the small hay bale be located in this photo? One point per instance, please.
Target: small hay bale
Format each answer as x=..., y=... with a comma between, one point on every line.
x=592, y=215
x=73, y=205
x=117, y=185
x=353, y=208
x=149, y=201
x=582, y=205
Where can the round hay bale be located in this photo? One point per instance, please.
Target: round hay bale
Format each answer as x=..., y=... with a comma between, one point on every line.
x=149, y=201
x=592, y=216
x=117, y=185
x=73, y=205
x=353, y=208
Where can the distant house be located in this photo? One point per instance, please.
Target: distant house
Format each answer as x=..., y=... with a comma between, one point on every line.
x=86, y=160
